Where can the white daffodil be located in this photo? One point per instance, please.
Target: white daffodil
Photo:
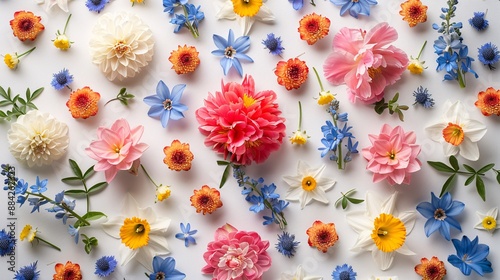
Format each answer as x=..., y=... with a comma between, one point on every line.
x=141, y=232
x=488, y=221
x=246, y=12
x=299, y=274
x=308, y=185
x=63, y=4
x=457, y=132
x=382, y=230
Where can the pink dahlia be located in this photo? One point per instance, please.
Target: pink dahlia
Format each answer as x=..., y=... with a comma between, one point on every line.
x=241, y=123
x=117, y=148
x=364, y=62
x=236, y=255
x=393, y=155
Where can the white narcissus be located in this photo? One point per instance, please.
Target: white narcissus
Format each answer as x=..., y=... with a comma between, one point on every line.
x=488, y=221
x=299, y=274
x=63, y=4
x=226, y=10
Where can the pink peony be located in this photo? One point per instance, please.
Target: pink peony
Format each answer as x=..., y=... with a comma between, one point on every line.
x=363, y=61
x=117, y=148
x=242, y=124
x=236, y=255
x=393, y=155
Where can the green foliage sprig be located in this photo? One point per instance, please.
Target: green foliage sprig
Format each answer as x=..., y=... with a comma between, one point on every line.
x=346, y=198
x=18, y=105
x=393, y=107
x=123, y=96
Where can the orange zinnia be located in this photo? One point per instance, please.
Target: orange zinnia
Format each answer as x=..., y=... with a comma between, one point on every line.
x=292, y=73
x=26, y=25
x=431, y=270
x=68, y=271
x=82, y=103
x=313, y=27
x=184, y=59
x=178, y=156
x=322, y=236
x=206, y=200
x=413, y=12
x=489, y=102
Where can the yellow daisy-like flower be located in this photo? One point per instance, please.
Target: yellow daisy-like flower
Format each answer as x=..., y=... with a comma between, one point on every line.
x=162, y=193
x=62, y=42
x=416, y=66
x=184, y=59
x=413, y=12
x=28, y=233
x=11, y=60
x=325, y=97
x=137, y=1
x=246, y=8
x=178, y=156
x=299, y=137
x=134, y=232
x=488, y=221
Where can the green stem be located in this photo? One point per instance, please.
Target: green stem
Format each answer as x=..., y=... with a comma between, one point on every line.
x=111, y=100
x=319, y=80
x=312, y=3
x=78, y=217
x=425, y=43
x=86, y=195
x=149, y=177
x=66, y=25
x=191, y=28
x=48, y=243
x=461, y=78
x=300, y=116
x=26, y=52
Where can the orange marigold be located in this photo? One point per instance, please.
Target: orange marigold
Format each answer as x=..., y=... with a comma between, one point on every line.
x=178, y=156
x=184, y=59
x=413, y=12
x=26, y=25
x=489, y=102
x=68, y=271
x=431, y=270
x=292, y=73
x=82, y=103
x=322, y=236
x=313, y=27
x=206, y=200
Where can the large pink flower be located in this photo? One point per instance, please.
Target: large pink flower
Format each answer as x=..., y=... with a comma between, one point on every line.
x=393, y=155
x=236, y=255
x=241, y=123
x=363, y=61
x=117, y=148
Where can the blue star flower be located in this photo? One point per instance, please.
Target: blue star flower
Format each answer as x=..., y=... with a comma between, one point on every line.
x=62, y=213
x=165, y=269
x=171, y=4
x=27, y=272
x=355, y=7
x=488, y=54
x=471, y=256
x=105, y=266
x=186, y=234
x=75, y=232
x=36, y=202
x=297, y=4
x=440, y=214
x=273, y=44
x=21, y=187
x=40, y=186
x=7, y=243
x=423, y=97
x=478, y=21
x=344, y=272
x=258, y=203
x=447, y=61
x=96, y=5
x=232, y=51
x=269, y=191
x=165, y=104
x=443, y=44
x=286, y=244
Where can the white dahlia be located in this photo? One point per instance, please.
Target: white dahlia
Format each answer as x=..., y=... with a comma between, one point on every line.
x=121, y=44
x=38, y=138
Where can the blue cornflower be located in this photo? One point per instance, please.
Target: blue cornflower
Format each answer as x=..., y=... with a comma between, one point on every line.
x=471, y=256
x=171, y=4
x=105, y=266
x=62, y=79
x=488, y=54
x=440, y=214
x=7, y=243
x=478, y=21
x=96, y=5
x=165, y=104
x=286, y=244
x=447, y=61
x=36, y=202
x=232, y=51
x=27, y=272
x=62, y=213
x=75, y=232
x=273, y=44
x=423, y=97
x=39, y=186
x=297, y=4
x=21, y=187
x=186, y=234
x=258, y=203
x=355, y=7
x=165, y=269
x=344, y=272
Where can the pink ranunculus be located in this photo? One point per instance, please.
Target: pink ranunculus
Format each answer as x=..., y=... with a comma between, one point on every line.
x=393, y=155
x=242, y=124
x=236, y=254
x=364, y=62
x=116, y=148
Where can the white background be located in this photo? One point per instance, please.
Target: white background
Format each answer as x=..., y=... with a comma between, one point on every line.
x=36, y=69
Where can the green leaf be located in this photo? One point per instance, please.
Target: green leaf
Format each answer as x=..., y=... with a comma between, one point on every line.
x=469, y=168
x=344, y=203
x=454, y=163
x=75, y=193
x=2, y=114
x=401, y=115
x=124, y=102
x=355, y=200
x=22, y=101
x=225, y=175
x=72, y=180
x=28, y=94
x=222, y=162
x=3, y=93
x=498, y=177
x=76, y=169
x=439, y=166
x=470, y=179
x=97, y=187
x=4, y=103
x=36, y=93
x=447, y=185
x=403, y=107
x=128, y=96
x=93, y=215
x=395, y=98
x=485, y=168
x=480, y=188
x=88, y=173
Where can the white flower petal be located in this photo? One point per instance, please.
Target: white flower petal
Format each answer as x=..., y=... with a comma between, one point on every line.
x=359, y=221
x=469, y=150
x=435, y=131
x=408, y=218
x=474, y=130
x=364, y=243
x=404, y=250
x=112, y=226
x=449, y=149
x=373, y=204
x=319, y=195
x=383, y=260
x=126, y=254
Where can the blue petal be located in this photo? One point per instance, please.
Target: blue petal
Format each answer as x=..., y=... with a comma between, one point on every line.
x=238, y=66
x=162, y=91
x=431, y=226
x=176, y=115
x=220, y=42
x=153, y=100
x=452, y=222
x=456, y=208
x=179, y=107
x=230, y=38
x=165, y=117
x=226, y=64
x=243, y=56
x=168, y=265
x=426, y=209
x=218, y=52
x=444, y=230
x=345, y=7
x=241, y=44
x=156, y=111
x=177, y=93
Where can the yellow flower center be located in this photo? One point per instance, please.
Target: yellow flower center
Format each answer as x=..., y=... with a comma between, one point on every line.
x=162, y=193
x=248, y=100
x=308, y=183
x=246, y=8
x=389, y=233
x=298, y=138
x=374, y=72
x=121, y=48
x=489, y=223
x=10, y=60
x=325, y=98
x=62, y=42
x=134, y=232
x=391, y=154
x=453, y=134
x=416, y=67
x=28, y=233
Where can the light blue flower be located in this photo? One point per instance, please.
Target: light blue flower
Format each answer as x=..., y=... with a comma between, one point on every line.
x=165, y=269
x=297, y=4
x=186, y=233
x=355, y=7
x=39, y=186
x=165, y=104
x=471, y=256
x=344, y=272
x=447, y=61
x=75, y=232
x=232, y=51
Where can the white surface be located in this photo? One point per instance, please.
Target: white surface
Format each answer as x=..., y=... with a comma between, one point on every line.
x=35, y=70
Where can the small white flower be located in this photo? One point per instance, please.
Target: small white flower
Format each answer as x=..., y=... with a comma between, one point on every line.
x=38, y=138
x=308, y=185
x=226, y=10
x=488, y=221
x=384, y=278
x=63, y=4
x=300, y=274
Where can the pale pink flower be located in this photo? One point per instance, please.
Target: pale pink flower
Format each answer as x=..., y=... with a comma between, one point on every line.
x=117, y=148
x=242, y=124
x=364, y=62
x=236, y=255
x=393, y=155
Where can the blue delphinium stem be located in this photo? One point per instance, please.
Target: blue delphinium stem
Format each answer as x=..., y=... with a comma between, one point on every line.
x=189, y=25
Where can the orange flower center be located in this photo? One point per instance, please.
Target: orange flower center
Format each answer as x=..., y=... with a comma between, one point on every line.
x=453, y=134
x=313, y=26
x=121, y=48
x=206, y=200
x=26, y=24
x=374, y=72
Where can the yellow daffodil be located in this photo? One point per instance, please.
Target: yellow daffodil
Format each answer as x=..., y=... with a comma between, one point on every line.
x=488, y=221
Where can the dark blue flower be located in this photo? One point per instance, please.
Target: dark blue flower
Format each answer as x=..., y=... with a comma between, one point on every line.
x=478, y=21
x=232, y=51
x=344, y=272
x=96, y=5
x=471, y=256
x=105, y=266
x=75, y=232
x=165, y=104
x=269, y=191
x=488, y=54
x=273, y=44
x=27, y=272
x=62, y=79
x=440, y=214
x=279, y=205
x=7, y=243
x=194, y=14
x=355, y=7
x=423, y=97
x=165, y=269
x=258, y=203
x=447, y=61
x=286, y=244
x=186, y=234
x=39, y=186
x=171, y=4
